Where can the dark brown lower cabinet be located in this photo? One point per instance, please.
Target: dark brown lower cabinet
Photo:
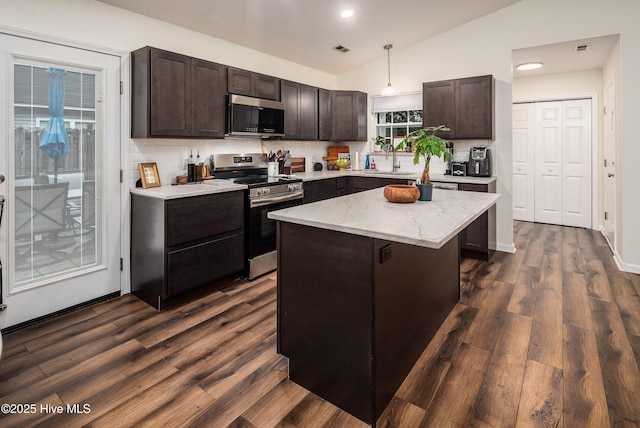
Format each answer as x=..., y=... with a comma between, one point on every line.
x=328, y=188
x=360, y=184
x=478, y=239
x=355, y=313
x=184, y=245
x=319, y=190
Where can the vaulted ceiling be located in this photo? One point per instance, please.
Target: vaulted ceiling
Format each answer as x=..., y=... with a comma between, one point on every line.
x=307, y=31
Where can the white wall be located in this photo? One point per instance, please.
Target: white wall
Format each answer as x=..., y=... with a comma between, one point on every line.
x=484, y=46
x=557, y=85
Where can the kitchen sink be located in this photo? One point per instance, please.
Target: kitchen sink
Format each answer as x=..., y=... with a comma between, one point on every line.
x=378, y=171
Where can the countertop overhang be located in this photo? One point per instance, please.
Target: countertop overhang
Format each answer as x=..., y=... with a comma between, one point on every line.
x=427, y=224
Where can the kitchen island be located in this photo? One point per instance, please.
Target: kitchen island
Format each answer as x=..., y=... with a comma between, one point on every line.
x=363, y=285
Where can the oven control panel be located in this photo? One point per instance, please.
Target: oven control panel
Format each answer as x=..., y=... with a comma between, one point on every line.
x=242, y=159
x=263, y=191
x=276, y=189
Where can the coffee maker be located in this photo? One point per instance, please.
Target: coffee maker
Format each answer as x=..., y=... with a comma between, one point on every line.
x=479, y=162
x=449, y=147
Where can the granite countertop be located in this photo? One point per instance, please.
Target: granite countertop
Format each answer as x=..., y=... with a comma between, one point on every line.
x=427, y=224
x=320, y=175
x=185, y=190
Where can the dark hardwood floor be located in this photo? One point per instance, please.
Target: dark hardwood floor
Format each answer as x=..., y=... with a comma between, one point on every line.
x=548, y=336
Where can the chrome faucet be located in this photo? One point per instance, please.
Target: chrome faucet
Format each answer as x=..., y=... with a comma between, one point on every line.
x=396, y=163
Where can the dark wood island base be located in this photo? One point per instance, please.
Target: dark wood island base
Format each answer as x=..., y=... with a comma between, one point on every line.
x=355, y=313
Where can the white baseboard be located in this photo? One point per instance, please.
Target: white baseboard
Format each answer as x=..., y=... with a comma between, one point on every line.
x=506, y=248
x=624, y=267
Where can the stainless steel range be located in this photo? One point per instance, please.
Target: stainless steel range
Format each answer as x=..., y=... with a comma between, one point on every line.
x=265, y=194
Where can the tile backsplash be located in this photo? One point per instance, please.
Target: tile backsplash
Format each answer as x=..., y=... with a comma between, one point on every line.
x=171, y=155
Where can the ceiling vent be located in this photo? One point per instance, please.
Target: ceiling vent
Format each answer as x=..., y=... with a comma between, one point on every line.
x=342, y=49
x=581, y=48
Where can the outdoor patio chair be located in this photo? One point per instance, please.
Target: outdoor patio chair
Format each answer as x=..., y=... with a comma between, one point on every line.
x=41, y=216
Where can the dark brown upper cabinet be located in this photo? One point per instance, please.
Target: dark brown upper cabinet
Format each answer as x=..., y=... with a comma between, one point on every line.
x=175, y=95
x=464, y=105
x=438, y=105
x=251, y=84
x=324, y=114
x=300, y=110
x=348, y=116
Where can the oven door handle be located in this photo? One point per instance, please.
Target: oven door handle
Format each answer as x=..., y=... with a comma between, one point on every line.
x=260, y=202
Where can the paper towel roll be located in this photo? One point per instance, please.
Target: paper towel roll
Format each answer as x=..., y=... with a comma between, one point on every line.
x=356, y=164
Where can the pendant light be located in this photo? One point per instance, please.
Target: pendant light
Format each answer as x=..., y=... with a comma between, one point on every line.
x=388, y=90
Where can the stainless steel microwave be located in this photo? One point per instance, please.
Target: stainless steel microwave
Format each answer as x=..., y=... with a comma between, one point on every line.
x=254, y=117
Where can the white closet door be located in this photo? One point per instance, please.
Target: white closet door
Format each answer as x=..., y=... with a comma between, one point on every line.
x=523, y=162
x=548, y=162
x=576, y=163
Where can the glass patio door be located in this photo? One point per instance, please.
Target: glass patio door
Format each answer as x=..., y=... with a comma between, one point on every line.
x=61, y=225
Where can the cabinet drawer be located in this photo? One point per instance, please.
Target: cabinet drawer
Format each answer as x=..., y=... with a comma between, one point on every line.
x=469, y=187
x=204, y=264
x=190, y=219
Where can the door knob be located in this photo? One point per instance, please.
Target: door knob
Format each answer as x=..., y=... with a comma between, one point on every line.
x=610, y=175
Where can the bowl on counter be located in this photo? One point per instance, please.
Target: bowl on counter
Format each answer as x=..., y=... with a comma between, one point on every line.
x=342, y=163
x=401, y=193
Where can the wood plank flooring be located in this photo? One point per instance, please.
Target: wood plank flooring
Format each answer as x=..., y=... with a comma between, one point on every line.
x=548, y=336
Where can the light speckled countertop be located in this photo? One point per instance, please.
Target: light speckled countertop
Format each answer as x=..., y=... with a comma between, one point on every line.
x=427, y=224
x=219, y=186
x=186, y=190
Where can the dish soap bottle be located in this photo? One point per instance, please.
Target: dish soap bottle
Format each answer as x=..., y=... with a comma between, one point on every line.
x=373, y=163
x=191, y=168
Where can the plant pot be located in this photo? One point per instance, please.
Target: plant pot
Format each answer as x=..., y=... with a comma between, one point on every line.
x=426, y=191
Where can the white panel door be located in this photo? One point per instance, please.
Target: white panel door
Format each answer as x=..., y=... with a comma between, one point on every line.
x=60, y=235
x=523, y=161
x=548, y=162
x=609, y=221
x=576, y=163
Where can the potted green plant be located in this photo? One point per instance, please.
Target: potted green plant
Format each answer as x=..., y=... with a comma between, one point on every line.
x=425, y=143
x=379, y=141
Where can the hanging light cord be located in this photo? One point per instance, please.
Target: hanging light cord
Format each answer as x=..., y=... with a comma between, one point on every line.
x=388, y=48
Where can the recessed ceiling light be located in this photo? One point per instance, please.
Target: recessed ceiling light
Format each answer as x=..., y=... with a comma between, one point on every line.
x=529, y=66
x=346, y=14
